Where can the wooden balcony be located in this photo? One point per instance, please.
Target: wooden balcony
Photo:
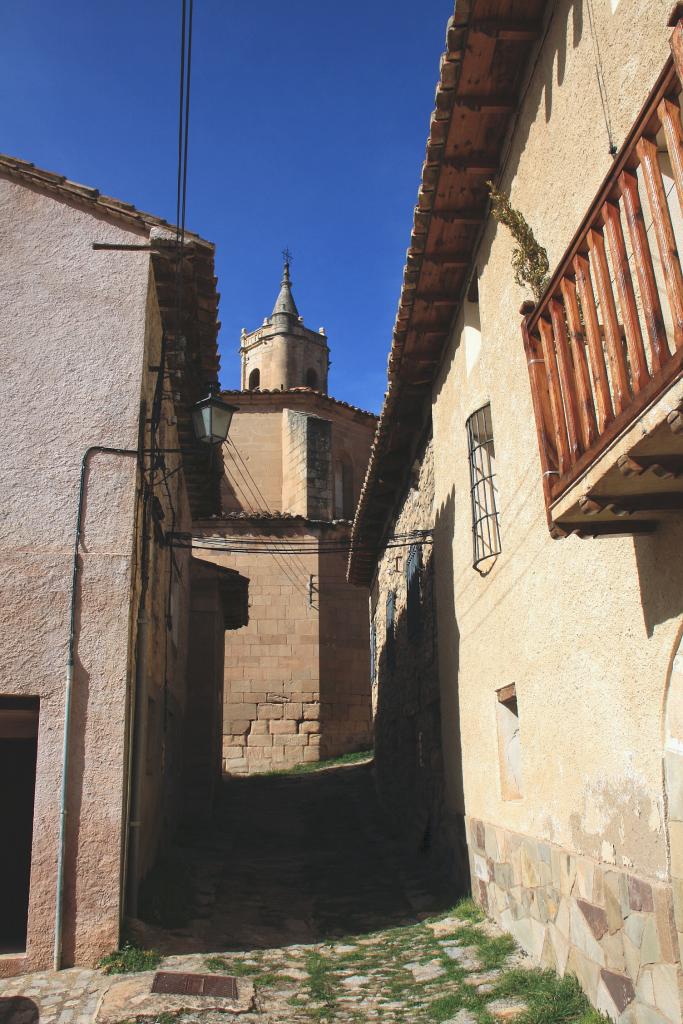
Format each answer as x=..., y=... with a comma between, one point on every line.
x=605, y=343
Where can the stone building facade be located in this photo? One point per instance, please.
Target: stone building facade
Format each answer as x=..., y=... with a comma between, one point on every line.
x=557, y=528
x=98, y=693
x=297, y=681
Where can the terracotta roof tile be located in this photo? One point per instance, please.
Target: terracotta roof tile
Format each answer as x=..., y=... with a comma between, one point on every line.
x=484, y=61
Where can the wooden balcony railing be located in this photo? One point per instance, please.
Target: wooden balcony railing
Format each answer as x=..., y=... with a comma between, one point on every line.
x=606, y=338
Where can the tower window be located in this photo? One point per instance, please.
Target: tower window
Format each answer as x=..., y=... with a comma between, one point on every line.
x=483, y=491
x=311, y=379
x=254, y=380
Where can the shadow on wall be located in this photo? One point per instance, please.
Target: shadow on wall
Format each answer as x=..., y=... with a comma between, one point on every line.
x=409, y=762
x=659, y=557
x=18, y=1010
x=449, y=639
x=344, y=660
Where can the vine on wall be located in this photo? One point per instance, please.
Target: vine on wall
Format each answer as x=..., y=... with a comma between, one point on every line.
x=529, y=258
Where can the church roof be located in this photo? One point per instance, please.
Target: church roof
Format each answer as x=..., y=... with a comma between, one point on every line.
x=285, y=301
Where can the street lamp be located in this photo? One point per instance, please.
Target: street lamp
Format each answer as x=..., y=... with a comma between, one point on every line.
x=211, y=419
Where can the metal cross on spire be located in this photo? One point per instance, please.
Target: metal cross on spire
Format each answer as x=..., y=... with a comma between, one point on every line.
x=287, y=256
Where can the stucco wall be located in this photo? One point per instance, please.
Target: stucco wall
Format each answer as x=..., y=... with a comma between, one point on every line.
x=584, y=629
x=72, y=330
x=600, y=617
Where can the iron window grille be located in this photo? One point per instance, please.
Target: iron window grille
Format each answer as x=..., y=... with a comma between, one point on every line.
x=483, y=491
x=391, y=613
x=413, y=600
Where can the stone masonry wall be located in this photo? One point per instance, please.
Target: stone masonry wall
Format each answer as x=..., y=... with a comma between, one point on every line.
x=296, y=676
x=408, y=758
x=615, y=931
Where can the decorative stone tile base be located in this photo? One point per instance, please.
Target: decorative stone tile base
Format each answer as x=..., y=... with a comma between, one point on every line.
x=613, y=930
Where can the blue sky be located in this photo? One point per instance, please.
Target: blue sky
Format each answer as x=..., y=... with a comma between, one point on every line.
x=308, y=126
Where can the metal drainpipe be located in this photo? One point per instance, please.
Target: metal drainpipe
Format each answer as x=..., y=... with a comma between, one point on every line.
x=59, y=912
x=139, y=733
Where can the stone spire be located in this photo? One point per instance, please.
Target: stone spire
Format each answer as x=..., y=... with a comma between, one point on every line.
x=285, y=301
x=283, y=353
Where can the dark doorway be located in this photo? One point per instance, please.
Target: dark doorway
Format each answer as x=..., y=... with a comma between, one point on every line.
x=18, y=749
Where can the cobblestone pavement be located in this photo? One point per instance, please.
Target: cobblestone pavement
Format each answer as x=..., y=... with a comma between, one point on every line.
x=298, y=892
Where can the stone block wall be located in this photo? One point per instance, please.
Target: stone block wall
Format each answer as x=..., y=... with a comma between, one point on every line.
x=346, y=712
x=296, y=676
x=612, y=929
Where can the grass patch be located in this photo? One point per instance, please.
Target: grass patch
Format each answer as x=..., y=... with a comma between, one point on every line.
x=493, y=951
x=321, y=982
x=467, y=910
x=158, y=1018
x=129, y=960
x=166, y=894
x=217, y=964
x=318, y=766
x=270, y=980
x=550, y=999
x=238, y=967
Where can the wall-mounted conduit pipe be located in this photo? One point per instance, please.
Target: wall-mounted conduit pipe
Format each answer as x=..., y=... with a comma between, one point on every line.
x=68, y=694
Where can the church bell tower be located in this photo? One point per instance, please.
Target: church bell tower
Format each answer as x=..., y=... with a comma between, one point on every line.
x=282, y=353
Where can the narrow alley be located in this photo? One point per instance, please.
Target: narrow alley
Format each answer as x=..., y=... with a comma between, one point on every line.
x=300, y=903
x=289, y=858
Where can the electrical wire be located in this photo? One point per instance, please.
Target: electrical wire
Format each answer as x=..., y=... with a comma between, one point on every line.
x=249, y=495
x=262, y=497
x=599, y=74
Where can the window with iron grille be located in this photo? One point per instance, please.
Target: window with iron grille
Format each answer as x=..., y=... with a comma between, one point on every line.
x=413, y=600
x=483, y=491
x=390, y=648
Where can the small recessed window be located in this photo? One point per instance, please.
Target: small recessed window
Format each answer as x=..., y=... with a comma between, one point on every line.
x=483, y=490
x=311, y=379
x=254, y=380
x=390, y=616
x=509, y=752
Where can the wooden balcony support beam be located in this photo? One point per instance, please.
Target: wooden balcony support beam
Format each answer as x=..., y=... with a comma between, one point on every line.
x=666, y=467
x=621, y=528
x=628, y=504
